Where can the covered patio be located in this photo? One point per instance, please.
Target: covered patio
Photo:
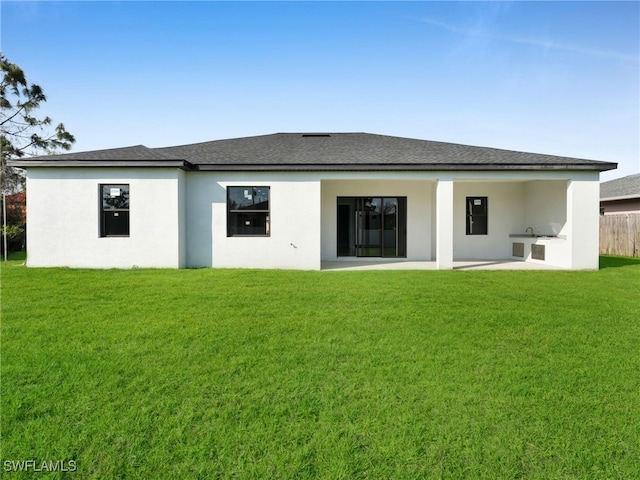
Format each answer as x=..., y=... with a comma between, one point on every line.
x=536, y=220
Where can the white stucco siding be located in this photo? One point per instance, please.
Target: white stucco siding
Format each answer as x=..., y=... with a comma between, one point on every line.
x=583, y=224
x=545, y=206
x=63, y=221
x=505, y=214
x=182, y=219
x=179, y=219
x=419, y=195
x=294, y=205
x=202, y=191
x=444, y=221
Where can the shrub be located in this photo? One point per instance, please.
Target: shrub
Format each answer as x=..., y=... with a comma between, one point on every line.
x=16, y=237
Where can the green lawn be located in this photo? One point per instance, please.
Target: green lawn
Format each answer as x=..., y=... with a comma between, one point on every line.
x=184, y=374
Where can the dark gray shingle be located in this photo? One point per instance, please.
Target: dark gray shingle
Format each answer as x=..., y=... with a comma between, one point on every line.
x=138, y=155
x=352, y=149
x=324, y=151
x=625, y=187
x=137, y=152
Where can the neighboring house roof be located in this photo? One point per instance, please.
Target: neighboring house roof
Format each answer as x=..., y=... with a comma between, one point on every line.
x=621, y=188
x=320, y=151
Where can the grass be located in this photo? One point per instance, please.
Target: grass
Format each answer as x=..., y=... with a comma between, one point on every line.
x=279, y=374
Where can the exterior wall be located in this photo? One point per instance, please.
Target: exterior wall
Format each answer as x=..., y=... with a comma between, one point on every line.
x=583, y=222
x=179, y=219
x=617, y=207
x=444, y=223
x=545, y=206
x=63, y=221
x=419, y=211
x=505, y=216
x=294, y=241
x=182, y=218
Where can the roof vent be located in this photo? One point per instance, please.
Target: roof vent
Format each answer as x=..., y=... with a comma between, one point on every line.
x=305, y=135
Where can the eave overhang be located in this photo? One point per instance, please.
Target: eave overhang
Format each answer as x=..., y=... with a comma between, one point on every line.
x=405, y=167
x=297, y=167
x=26, y=163
x=622, y=197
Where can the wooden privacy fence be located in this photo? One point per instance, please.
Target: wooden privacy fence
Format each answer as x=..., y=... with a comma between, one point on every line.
x=620, y=235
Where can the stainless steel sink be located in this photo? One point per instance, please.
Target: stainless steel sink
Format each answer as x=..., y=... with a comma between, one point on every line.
x=533, y=235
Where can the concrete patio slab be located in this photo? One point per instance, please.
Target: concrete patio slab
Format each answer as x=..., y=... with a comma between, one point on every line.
x=395, y=264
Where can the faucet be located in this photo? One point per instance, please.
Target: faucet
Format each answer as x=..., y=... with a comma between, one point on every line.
x=527, y=229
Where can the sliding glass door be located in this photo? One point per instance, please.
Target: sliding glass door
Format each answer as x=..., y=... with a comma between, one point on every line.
x=369, y=227
x=372, y=226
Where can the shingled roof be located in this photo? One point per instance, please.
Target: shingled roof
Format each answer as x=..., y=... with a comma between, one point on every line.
x=621, y=188
x=138, y=155
x=319, y=151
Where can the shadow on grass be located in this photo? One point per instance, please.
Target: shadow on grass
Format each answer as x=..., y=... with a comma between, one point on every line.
x=617, y=262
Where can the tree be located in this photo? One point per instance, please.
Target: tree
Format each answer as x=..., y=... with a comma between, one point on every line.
x=21, y=133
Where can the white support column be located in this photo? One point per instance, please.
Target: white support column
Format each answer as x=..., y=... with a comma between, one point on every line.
x=583, y=213
x=444, y=224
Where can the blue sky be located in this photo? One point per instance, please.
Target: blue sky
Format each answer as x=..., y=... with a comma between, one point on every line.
x=551, y=77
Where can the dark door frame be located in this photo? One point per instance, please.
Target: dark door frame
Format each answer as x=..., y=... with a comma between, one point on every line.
x=388, y=217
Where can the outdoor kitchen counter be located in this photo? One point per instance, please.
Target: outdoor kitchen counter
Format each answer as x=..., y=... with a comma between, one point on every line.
x=539, y=248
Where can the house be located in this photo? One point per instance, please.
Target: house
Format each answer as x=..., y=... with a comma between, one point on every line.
x=621, y=195
x=294, y=200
